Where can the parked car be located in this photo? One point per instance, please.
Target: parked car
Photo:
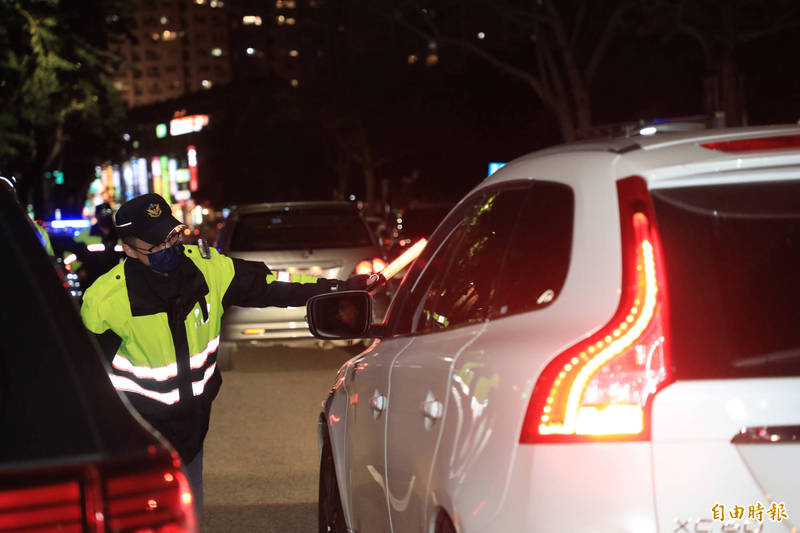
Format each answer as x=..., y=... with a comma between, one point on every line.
x=324, y=239
x=73, y=456
x=601, y=336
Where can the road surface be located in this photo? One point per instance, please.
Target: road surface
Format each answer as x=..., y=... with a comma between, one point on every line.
x=261, y=461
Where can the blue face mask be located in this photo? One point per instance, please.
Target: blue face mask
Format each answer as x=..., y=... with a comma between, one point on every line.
x=166, y=260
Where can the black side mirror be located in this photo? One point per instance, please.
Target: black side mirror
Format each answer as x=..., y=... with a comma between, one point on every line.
x=340, y=315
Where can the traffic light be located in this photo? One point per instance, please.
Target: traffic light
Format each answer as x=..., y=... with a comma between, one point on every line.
x=59, y=176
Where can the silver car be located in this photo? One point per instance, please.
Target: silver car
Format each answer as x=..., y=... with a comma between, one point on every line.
x=325, y=239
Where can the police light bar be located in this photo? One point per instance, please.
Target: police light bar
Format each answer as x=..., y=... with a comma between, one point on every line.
x=64, y=223
x=405, y=258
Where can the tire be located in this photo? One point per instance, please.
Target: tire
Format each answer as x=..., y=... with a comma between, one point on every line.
x=225, y=356
x=331, y=515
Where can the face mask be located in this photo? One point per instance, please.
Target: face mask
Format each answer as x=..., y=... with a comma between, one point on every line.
x=166, y=260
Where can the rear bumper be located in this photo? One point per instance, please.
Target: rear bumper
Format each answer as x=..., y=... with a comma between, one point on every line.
x=285, y=330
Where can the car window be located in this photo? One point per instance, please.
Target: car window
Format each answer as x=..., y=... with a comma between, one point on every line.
x=299, y=229
x=464, y=292
x=537, y=261
x=732, y=258
x=428, y=265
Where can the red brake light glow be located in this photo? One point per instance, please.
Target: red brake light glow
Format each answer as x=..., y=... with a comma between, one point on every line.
x=763, y=144
x=378, y=264
x=364, y=267
x=602, y=386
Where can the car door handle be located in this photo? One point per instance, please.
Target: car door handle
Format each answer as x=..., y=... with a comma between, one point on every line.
x=378, y=403
x=433, y=409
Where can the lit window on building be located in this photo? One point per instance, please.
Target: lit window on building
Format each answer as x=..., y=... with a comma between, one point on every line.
x=313, y=3
x=250, y=51
x=169, y=35
x=412, y=59
x=207, y=84
x=294, y=53
x=290, y=21
x=156, y=36
x=289, y=4
x=216, y=3
x=251, y=20
x=216, y=52
x=199, y=2
x=281, y=19
x=431, y=60
x=164, y=21
x=295, y=83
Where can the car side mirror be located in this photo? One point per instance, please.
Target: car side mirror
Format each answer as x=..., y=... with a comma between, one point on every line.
x=340, y=315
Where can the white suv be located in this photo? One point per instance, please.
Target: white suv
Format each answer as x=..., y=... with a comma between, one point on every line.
x=602, y=336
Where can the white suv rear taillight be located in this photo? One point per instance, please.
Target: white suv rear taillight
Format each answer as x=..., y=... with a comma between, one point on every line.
x=602, y=387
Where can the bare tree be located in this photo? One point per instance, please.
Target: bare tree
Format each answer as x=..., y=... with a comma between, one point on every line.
x=721, y=29
x=555, y=47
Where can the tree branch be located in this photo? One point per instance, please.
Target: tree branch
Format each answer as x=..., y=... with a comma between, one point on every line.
x=605, y=39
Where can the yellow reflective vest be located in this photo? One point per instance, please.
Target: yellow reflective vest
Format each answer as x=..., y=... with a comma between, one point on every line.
x=161, y=333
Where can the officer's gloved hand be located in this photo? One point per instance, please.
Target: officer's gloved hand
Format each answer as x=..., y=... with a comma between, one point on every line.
x=362, y=282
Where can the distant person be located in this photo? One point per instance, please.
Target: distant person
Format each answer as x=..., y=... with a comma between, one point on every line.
x=157, y=318
x=96, y=261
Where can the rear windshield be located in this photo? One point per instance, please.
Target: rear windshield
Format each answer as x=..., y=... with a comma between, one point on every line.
x=732, y=259
x=299, y=229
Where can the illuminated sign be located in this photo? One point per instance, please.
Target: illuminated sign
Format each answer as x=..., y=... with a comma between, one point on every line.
x=184, y=125
x=161, y=131
x=191, y=154
x=155, y=166
x=127, y=177
x=165, y=187
x=494, y=167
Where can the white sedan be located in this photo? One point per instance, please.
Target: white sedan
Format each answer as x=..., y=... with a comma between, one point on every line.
x=600, y=337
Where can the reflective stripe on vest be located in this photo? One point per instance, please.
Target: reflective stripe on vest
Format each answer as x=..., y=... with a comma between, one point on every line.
x=128, y=385
x=163, y=373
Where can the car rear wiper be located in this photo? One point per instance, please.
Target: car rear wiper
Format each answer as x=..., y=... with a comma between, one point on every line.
x=779, y=357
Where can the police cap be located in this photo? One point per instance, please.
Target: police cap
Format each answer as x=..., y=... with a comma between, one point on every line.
x=147, y=217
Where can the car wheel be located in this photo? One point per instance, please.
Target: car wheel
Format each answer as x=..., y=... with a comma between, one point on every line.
x=225, y=356
x=331, y=515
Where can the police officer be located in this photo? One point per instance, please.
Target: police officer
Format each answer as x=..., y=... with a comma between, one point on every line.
x=157, y=317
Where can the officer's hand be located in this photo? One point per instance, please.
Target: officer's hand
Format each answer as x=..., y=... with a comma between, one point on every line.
x=363, y=282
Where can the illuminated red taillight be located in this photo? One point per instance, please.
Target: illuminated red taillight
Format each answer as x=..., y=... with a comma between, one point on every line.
x=364, y=267
x=147, y=494
x=152, y=498
x=602, y=387
x=370, y=266
x=42, y=505
x=763, y=144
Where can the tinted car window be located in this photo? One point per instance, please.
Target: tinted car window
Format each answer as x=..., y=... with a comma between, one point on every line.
x=298, y=229
x=732, y=258
x=425, y=268
x=537, y=261
x=464, y=293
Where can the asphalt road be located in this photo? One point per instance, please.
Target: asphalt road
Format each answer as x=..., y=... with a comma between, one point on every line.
x=261, y=460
